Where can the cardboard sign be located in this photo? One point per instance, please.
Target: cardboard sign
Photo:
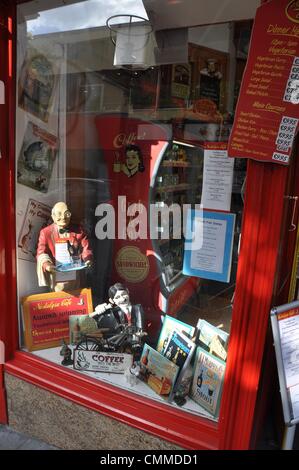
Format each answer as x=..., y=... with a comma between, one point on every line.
x=98, y=361
x=46, y=316
x=266, y=119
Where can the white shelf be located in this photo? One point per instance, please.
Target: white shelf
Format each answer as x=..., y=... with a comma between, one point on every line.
x=119, y=380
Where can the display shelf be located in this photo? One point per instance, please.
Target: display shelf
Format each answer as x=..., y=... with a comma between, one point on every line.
x=178, y=175
x=121, y=381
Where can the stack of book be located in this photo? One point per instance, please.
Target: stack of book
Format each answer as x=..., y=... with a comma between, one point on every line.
x=187, y=361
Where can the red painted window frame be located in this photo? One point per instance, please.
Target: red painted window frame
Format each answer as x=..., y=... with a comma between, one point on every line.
x=263, y=215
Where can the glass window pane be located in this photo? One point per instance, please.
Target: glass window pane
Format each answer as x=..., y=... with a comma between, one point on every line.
x=121, y=152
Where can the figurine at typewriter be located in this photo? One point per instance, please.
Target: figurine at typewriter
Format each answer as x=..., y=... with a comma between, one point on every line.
x=119, y=311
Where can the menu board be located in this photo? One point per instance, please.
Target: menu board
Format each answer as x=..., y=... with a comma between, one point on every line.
x=267, y=112
x=285, y=328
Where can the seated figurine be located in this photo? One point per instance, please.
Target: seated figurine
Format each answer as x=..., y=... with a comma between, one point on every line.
x=61, y=241
x=119, y=312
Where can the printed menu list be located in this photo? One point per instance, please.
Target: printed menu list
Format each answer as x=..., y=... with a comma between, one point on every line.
x=266, y=118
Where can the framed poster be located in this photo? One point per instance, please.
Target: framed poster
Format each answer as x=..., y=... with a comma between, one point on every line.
x=208, y=249
x=209, y=81
x=46, y=316
x=206, y=389
x=36, y=159
x=37, y=83
x=37, y=216
x=169, y=325
x=159, y=373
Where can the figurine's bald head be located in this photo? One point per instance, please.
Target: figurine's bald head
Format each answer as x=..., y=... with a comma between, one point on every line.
x=61, y=214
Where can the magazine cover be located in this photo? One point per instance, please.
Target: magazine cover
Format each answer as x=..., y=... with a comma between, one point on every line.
x=212, y=339
x=37, y=158
x=207, y=382
x=169, y=325
x=179, y=348
x=157, y=371
x=36, y=87
x=37, y=216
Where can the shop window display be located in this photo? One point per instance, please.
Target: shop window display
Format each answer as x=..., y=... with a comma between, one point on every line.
x=113, y=155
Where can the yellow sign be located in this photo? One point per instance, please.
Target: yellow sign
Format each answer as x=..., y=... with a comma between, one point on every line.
x=131, y=264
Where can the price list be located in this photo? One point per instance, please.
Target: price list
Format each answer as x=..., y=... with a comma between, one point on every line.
x=266, y=119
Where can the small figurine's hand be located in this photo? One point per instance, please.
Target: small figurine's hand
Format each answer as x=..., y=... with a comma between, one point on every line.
x=101, y=308
x=49, y=267
x=88, y=263
x=141, y=333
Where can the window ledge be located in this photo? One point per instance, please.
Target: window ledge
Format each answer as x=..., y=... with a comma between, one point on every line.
x=174, y=425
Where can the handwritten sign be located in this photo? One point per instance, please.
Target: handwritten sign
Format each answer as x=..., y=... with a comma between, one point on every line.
x=266, y=118
x=46, y=316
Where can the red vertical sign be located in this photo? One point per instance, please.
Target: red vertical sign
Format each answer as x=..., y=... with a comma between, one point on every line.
x=267, y=112
x=134, y=262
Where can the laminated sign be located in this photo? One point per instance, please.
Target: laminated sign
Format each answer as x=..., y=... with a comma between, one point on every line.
x=267, y=112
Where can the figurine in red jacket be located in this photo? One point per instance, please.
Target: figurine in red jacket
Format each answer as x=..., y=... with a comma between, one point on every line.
x=59, y=243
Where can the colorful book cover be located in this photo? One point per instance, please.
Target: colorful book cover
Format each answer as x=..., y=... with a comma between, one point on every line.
x=212, y=339
x=206, y=389
x=169, y=325
x=158, y=372
x=179, y=348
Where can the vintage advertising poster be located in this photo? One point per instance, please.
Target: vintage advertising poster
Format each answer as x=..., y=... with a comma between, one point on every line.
x=207, y=382
x=37, y=216
x=169, y=325
x=98, y=361
x=179, y=348
x=218, y=175
x=46, y=316
x=213, y=339
x=266, y=119
x=37, y=83
x=210, y=257
x=158, y=372
x=36, y=159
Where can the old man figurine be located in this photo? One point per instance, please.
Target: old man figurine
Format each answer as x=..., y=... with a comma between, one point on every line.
x=57, y=243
